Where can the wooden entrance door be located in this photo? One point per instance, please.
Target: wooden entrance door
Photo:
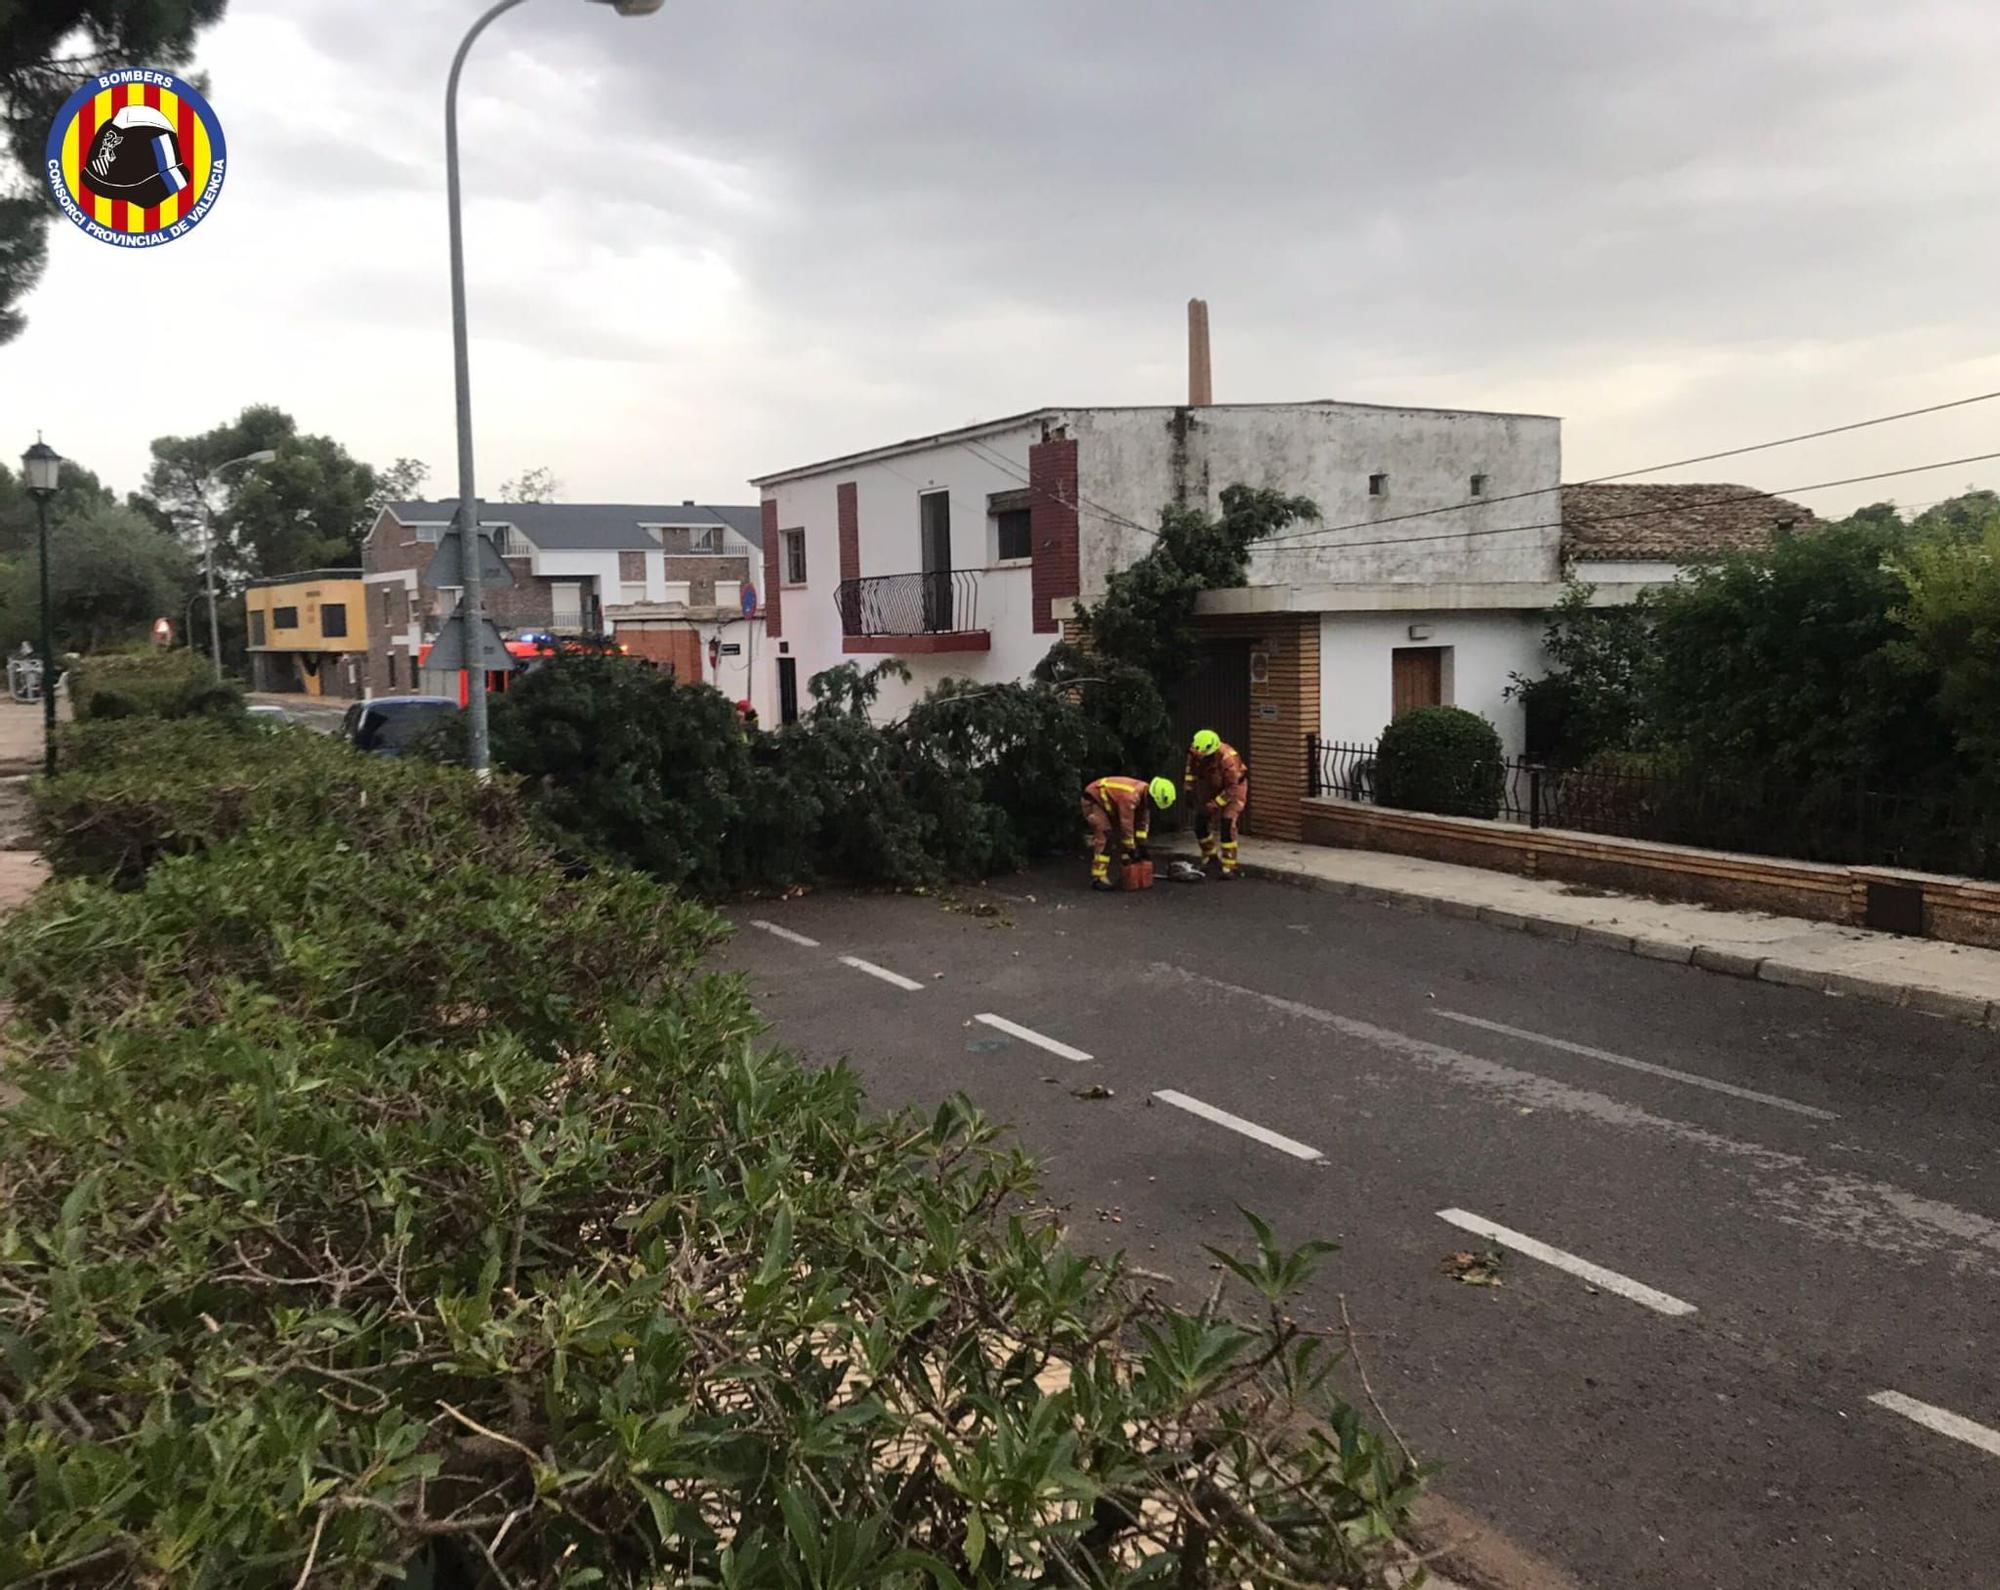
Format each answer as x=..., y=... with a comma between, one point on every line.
x=1416, y=678
x=1214, y=695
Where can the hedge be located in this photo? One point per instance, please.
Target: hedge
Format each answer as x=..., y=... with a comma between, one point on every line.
x=151, y=684
x=354, y=1255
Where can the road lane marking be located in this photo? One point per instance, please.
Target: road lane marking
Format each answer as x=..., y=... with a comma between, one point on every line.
x=784, y=933
x=1236, y=1123
x=1646, y=1066
x=1609, y=1280
x=1029, y=1035
x=1942, y=1420
x=1833, y=1205
x=882, y=972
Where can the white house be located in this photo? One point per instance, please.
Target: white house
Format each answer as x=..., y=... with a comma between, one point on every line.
x=1440, y=548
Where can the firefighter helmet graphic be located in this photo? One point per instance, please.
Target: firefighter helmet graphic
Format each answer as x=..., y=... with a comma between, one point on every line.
x=136, y=158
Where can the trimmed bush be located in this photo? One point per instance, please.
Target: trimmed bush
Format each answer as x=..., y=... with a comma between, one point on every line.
x=334, y=1255
x=1441, y=759
x=151, y=684
x=132, y=792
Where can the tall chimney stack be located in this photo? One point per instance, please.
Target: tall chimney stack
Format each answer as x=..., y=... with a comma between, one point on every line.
x=1201, y=387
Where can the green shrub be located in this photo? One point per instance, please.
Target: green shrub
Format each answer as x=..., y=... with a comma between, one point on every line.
x=671, y=1308
x=375, y=1212
x=151, y=684
x=133, y=791
x=1441, y=759
x=398, y=940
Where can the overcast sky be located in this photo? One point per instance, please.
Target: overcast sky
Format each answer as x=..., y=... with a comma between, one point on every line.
x=739, y=236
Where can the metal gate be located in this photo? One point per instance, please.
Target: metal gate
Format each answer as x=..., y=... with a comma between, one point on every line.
x=1215, y=695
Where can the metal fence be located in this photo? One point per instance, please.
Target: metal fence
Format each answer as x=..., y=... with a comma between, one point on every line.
x=940, y=603
x=1834, y=820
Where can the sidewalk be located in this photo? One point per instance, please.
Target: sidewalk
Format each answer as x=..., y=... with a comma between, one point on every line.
x=1956, y=981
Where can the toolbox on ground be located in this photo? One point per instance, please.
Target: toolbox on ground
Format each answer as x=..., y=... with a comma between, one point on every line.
x=1135, y=875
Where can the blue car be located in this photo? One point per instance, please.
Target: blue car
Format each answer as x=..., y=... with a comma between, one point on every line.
x=398, y=725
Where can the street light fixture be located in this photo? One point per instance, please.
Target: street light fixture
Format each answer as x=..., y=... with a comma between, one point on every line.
x=472, y=598
x=263, y=455
x=41, y=471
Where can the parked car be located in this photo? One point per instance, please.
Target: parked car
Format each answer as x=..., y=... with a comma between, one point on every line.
x=400, y=725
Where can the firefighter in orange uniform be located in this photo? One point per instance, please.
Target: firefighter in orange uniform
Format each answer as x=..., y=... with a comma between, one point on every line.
x=1121, y=807
x=1219, y=784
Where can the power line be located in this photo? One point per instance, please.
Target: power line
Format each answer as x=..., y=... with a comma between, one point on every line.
x=1645, y=513
x=1650, y=469
x=1084, y=505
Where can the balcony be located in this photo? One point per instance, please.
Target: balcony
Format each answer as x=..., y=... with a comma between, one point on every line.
x=912, y=613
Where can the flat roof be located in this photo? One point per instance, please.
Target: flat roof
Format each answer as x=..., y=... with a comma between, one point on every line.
x=1011, y=421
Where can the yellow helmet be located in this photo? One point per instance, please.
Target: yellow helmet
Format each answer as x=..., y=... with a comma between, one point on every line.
x=1163, y=792
x=1207, y=742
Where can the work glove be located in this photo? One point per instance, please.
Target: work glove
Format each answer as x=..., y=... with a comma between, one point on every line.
x=1221, y=801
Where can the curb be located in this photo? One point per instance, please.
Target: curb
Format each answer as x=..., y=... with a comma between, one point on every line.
x=1967, y=1009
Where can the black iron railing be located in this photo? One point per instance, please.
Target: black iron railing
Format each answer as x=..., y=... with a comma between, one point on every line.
x=942, y=603
x=1832, y=820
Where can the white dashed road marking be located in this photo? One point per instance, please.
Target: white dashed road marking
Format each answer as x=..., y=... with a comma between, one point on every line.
x=1236, y=1123
x=1942, y=1420
x=1595, y=1274
x=883, y=972
x=1029, y=1035
x=784, y=933
x=1646, y=1066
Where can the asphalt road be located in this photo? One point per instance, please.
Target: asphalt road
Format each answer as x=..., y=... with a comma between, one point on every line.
x=1792, y=1202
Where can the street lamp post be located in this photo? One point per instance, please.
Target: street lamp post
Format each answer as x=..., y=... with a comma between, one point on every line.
x=41, y=468
x=472, y=598
x=263, y=455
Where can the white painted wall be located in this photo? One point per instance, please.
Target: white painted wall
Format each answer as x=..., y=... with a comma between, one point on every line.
x=1485, y=648
x=1131, y=461
x=1610, y=572
x=748, y=673
x=887, y=493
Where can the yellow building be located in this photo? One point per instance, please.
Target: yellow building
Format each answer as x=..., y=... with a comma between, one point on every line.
x=308, y=633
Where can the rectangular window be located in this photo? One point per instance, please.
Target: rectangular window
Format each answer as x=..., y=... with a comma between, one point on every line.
x=387, y=620
x=566, y=607
x=429, y=532
x=795, y=557
x=1007, y=512
x=1478, y=485
x=392, y=671
x=333, y=619
x=1378, y=485
x=284, y=618
x=511, y=543
x=788, y=690
x=256, y=629
x=706, y=539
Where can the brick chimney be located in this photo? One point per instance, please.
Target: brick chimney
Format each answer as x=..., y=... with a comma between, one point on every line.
x=1201, y=389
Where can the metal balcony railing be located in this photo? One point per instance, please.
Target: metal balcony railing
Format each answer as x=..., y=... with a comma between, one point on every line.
x=944, y=603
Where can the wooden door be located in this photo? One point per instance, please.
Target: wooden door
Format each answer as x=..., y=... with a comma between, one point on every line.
x=1215, y=694
x=1416, y=678
x=935, y=548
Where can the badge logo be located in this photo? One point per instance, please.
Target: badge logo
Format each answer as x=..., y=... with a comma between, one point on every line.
x=136, y=158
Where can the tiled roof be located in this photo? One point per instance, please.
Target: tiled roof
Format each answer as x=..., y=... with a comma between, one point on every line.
x=1674, y=524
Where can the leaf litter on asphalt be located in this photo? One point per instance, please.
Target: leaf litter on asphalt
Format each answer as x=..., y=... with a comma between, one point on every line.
x=1474, y=1269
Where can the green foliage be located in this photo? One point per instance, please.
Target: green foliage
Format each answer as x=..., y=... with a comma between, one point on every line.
x=151, y=684
x=133, y=791
x=1125, y=716
x=111, y=574
x=1593, y=699
x=1441, y=759
x=1951, y=616
x=622, y=761
x=46, y=49
x=337, y=1251
x=1145, y=619
x=79, y=495
x=1783, y=664
x=308, y=508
